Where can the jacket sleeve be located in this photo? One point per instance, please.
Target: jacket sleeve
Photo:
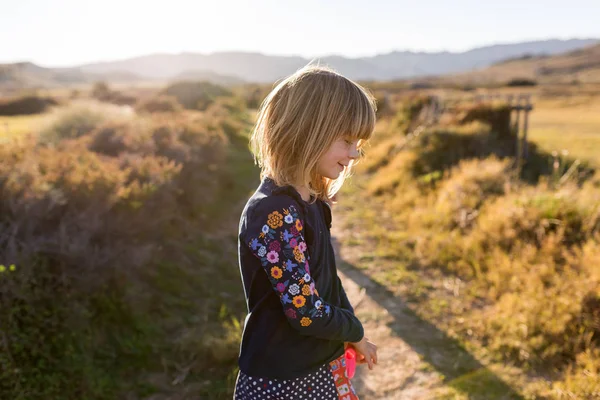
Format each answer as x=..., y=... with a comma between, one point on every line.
x=274, y=234
x=345, y=303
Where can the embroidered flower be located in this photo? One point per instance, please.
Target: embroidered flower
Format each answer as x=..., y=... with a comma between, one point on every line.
x=265, y=229
x=273, y=257
x=302, y=246
x=281, y=287
x=290, y=313
x=254, y=244
x=305, y=321
x=299, y=301
x=318, y=303
x=294, y=289
x=306, y=277
x=275, y=220
x=306, y=290
x=289, y=265
x=275, y=246
x=285, y=299
x=293, y=243
x=262, y=251
x=298, y=255
x=287, y=236
x=288, y=219
x=312, y=287
x=276, y=272
x=298, y=225
x=294, y=231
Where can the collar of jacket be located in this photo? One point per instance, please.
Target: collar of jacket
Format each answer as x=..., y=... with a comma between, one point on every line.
x=286, y=189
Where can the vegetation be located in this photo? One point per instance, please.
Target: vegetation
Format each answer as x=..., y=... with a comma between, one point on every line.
x=116, y=250
x=26, y=105
x=118, y=233
x=502, y=260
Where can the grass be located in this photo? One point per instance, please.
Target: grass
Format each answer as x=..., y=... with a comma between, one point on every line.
x=20, y=124
x=567, y=124
x=493, y=260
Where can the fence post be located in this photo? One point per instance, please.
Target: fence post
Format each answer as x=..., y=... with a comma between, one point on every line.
x=528, y=108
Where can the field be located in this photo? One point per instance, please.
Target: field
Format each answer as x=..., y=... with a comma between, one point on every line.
x=124, y=235
x=571, y=124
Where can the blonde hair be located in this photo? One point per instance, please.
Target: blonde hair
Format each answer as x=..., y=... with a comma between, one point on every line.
x=298, y=121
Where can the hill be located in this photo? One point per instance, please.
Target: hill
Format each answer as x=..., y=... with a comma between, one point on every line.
x=581, y=65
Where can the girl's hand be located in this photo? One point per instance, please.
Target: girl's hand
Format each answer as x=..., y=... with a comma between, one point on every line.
x=366, y=351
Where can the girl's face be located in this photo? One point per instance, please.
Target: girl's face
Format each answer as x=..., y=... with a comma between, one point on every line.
x=338, y=157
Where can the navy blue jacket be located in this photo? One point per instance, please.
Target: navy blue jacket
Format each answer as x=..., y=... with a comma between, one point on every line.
x=298, y=313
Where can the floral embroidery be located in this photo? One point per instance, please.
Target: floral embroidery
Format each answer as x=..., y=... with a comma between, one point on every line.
x=306, y=290
x=273, y=257
x=298, y=255
x=275, y=246
x=299, y=301
x=275, y=220
x=276, y=272
x=280, y=242
x=294, y=289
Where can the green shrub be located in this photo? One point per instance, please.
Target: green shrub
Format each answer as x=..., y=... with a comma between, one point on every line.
x=77, y=120
x=161, y=103
x=196, y=95
x=111, y=235
x=26, y=105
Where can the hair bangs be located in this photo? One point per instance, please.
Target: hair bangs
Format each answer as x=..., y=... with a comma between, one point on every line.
x=359, y=122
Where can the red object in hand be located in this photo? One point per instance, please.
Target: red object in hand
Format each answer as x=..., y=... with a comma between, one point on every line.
x=350, y=362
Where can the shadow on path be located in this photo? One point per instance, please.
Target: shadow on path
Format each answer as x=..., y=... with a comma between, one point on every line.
x=458, y=368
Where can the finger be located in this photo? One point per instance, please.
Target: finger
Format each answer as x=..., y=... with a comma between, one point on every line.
x=370, y=361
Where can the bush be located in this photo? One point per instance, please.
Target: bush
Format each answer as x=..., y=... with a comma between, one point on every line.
x=158, y=104
x=78, y=120
x=114, y=138
x=497, y=117
x=196, y=95
x=99, y=226
x=26, y=105
x=519, y=82
x=471, y=184
x=102, y=92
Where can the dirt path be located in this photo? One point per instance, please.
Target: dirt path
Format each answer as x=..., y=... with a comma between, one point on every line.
x=400, y=372
x=416, y=360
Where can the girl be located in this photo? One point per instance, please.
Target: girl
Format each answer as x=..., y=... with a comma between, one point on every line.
x=308, y=135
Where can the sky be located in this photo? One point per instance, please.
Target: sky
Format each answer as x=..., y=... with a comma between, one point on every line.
x=61, y=33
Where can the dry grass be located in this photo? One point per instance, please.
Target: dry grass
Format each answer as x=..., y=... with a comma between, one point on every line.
x=521, y=254
x=570, y=124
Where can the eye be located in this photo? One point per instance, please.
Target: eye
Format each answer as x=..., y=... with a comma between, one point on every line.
x=348, y=141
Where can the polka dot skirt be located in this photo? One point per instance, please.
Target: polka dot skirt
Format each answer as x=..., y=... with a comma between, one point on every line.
x=327, y=383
